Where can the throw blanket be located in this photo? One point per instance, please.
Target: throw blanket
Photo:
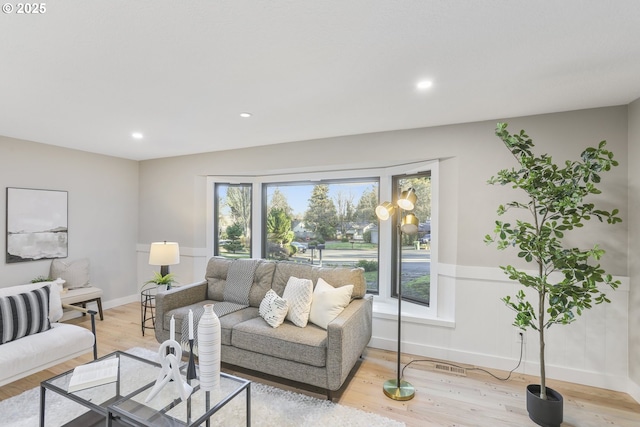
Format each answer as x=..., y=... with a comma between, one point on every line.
x=236, y=297
x=239, y=280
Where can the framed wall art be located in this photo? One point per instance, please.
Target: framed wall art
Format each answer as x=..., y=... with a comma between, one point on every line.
x=36, y=224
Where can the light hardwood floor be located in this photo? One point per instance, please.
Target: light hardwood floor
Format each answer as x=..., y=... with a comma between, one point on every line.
x=441, y=399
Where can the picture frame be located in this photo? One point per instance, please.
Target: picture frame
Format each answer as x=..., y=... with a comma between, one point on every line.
x=37, y=224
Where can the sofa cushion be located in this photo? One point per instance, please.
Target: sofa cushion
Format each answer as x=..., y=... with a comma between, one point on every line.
x=286, y=269
x=216, y=277
x=336, y=276
x=289, y=342
x=227, y=322
x=297, y=294
x=342, y=276
x=24, y=314
x=273, y=309
x=328, y=302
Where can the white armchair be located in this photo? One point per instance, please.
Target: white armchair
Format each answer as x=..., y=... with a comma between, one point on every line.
x=25, y=350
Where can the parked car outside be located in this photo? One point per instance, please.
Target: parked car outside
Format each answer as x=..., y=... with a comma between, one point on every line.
x=426, y=238
x=300, y=247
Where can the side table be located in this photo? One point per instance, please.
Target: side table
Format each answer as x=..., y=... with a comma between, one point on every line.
x=148, y=308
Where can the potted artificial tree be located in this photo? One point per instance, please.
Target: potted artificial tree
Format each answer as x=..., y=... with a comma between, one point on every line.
x=565, y=280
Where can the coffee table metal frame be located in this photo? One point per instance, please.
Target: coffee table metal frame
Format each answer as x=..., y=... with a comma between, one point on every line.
x=111, y=412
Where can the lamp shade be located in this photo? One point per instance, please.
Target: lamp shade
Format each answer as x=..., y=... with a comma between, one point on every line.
x=164, y=253
x=409, y=224
x=384, y=211
x=408, y=199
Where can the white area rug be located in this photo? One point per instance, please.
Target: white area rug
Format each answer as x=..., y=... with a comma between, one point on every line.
x=270, y=406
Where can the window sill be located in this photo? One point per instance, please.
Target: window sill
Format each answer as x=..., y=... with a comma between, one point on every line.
x=387, y=308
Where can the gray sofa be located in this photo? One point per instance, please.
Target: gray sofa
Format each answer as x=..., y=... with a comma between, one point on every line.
x=310, y=355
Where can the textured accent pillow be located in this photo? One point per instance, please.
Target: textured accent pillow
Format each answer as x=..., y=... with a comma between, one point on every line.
x=55, y=301
x=298, y=294
x=328, y=302
x=273, y=309
x=24, y=314
x=75, y=273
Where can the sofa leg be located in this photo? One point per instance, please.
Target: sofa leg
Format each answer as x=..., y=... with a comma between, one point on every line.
x=329, y=395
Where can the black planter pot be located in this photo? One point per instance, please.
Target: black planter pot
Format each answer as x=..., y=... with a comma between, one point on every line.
x=545, y=413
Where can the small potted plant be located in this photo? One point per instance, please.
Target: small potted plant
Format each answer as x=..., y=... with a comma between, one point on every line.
x=565, y=279
x=161, y=280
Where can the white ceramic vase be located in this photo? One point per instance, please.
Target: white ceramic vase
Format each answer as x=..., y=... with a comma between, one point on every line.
x=209, y=342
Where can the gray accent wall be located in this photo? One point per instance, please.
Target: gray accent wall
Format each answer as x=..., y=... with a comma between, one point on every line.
x=102, y=210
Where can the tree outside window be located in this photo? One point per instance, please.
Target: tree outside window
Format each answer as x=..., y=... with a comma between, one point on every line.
x=232, y=230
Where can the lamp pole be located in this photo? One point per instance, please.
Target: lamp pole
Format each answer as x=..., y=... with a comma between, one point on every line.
x=397, y=389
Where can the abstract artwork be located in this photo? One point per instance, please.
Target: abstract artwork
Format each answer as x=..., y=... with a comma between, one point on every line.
x=36, y=224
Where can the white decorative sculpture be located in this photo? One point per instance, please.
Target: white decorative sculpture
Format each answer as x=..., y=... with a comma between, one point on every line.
x=170, y=371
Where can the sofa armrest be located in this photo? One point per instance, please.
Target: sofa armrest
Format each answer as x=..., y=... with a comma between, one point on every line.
x=177, y=297
x=92, y=313
x=348, y=336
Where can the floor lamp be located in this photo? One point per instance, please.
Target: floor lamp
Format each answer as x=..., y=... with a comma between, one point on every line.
x=406, y=223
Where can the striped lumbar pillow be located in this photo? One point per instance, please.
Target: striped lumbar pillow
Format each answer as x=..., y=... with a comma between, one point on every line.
x=24, y=314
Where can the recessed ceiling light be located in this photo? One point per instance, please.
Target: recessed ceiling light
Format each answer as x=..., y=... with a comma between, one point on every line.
x=424, y=84
x=245, y=115
x=137, y=135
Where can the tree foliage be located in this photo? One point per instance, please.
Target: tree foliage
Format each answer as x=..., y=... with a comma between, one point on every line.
x=234, y=234
x=239, y=202
x=321, y=217
x=345, y=209
x=422, y=187
x=279, y=227
x=566, y=278
x=279, y=201
x=366, y=209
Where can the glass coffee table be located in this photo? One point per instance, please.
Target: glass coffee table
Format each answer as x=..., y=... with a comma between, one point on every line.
x=122, y=403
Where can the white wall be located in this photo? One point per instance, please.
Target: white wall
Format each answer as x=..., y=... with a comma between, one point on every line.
x=476, y=327
x=634, y=247
x=102, y=211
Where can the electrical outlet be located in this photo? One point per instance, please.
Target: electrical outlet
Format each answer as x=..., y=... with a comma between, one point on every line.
x=519, y=335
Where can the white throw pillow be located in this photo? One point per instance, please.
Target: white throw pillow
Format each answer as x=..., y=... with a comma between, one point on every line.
x=328, y=302
x=273, y=309
x=75, y=273
x=55, y=301
x=298, y=294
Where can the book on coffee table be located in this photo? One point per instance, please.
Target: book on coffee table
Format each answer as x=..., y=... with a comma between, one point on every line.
x=94, y=374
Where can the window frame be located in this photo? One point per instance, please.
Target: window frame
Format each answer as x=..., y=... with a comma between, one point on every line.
x=385, y=175
x=216, y=214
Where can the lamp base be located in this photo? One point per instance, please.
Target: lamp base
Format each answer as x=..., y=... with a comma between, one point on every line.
x=404, y=392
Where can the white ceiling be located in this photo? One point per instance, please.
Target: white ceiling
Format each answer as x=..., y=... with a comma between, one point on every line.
x=86, y=74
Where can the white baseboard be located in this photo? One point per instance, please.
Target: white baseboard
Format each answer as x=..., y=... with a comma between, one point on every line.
x=634, y=390
x=593, y=379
